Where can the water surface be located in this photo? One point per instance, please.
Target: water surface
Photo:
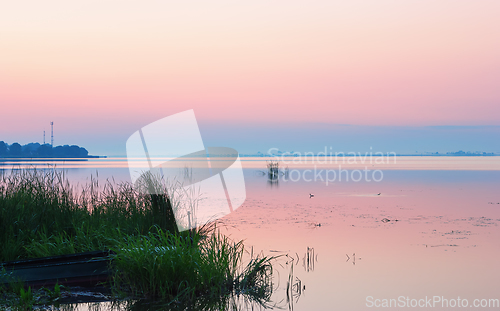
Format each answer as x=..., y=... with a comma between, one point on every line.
x=428, y=228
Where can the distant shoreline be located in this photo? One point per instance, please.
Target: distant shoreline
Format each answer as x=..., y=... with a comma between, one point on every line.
x=363, y=155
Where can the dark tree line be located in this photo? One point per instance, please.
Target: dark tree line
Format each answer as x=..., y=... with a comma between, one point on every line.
x=36, y=150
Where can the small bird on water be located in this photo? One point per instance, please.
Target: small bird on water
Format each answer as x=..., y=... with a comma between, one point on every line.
x=379, y=193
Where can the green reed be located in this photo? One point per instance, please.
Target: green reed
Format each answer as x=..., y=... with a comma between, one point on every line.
x=41, y=214
x=173, y=267
x=40, y=207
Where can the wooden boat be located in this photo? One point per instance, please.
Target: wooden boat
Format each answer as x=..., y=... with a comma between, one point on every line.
x=82, y=269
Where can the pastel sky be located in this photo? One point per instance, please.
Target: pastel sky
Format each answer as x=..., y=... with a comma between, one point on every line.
x=402, y=75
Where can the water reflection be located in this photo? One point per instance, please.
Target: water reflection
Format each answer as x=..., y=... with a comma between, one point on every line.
x=309, y=259
x=286, y=291
x=352, y=258
x=273, y=183
x=233, y=302
x=294, y=288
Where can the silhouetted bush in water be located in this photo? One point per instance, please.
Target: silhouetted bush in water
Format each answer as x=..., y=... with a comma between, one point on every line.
x=273, y=169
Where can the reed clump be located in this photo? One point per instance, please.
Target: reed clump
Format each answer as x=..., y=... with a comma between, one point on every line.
x=174, y=268
x=42, y=214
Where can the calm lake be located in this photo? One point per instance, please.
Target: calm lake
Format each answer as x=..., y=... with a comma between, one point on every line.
x=417, y=232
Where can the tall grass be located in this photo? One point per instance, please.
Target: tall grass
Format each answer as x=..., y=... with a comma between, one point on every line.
x=167, y=266
x=39, y=208
x=41, y=214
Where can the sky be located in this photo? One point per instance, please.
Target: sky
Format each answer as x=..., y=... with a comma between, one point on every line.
x=403, y=76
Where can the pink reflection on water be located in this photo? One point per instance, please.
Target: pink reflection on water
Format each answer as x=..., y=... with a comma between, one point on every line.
x=442, y=237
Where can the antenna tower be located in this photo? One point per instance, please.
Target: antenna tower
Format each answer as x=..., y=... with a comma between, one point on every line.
x=52, y=134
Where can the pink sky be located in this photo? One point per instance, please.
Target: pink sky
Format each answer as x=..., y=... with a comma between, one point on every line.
x=127, y=63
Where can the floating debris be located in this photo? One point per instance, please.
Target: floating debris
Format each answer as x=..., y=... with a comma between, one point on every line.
x=385, y=220
x=452, y=245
